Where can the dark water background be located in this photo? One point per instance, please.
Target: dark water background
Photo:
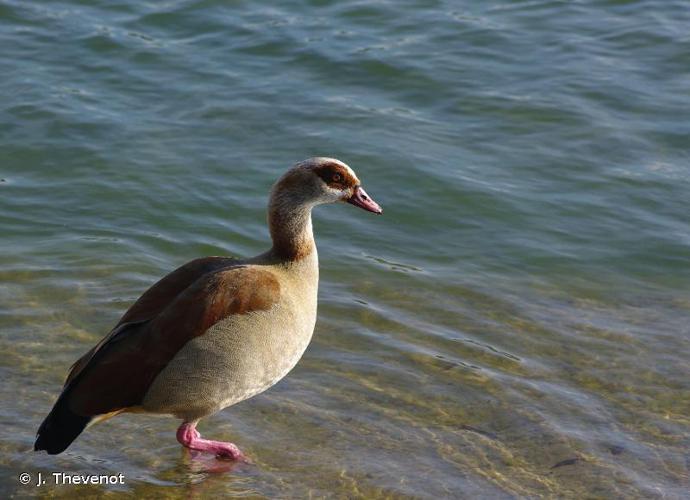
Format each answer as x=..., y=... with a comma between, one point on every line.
x=523, y=303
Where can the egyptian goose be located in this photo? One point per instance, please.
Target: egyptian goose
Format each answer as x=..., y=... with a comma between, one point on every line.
x=214, y=332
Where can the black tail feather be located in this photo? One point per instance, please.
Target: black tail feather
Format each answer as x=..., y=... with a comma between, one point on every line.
x=60, y=428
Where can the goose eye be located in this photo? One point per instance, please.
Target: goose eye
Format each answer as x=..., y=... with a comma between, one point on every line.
x=336, y=177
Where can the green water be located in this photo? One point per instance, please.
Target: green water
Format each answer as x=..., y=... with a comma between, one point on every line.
x=517, y=322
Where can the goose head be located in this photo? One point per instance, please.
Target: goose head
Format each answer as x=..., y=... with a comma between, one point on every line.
x=320, y=180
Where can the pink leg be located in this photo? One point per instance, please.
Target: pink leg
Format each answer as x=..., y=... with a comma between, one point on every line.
x=189, y=437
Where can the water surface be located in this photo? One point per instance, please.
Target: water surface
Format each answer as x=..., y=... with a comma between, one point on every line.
x=515, y=325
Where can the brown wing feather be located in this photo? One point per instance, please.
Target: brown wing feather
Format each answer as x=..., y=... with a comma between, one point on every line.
x=120, y=372
x=155, y=299
x=162, y=293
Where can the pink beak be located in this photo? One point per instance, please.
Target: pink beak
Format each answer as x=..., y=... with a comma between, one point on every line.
x=361, y=199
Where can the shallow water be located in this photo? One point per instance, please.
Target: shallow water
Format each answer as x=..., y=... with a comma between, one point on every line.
x=515, y=325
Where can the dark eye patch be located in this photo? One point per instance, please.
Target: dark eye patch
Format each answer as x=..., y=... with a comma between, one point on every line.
x=335, y=176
